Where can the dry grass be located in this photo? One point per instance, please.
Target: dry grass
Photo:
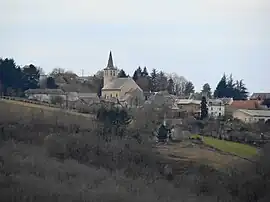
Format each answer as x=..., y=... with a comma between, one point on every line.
x=188, y=151
x=53, y=156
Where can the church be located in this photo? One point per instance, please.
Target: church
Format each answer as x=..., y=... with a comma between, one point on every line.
x=124, y=90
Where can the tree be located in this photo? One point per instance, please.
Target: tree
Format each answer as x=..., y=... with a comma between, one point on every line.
x=154, y=81
x=31, y=77
x=13, y=79
x=135, y=76
x=162, y=81
x=57, y=72
x=170, y=87
x=50, y=83
x=206, y=90
x=221, y=88
x=240, y=91
x=122, y=74
x=189, y=88
x=204, y=108
x=179, y=83
x=145, y=72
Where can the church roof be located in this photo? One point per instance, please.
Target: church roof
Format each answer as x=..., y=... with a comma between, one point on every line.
x=110, y=62
x=118, y=83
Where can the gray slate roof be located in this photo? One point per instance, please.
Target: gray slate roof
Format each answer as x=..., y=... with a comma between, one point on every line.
x=45, y=91
x=118, y=83
x=263, y=96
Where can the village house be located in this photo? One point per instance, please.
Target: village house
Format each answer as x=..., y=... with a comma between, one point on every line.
x=124, y=89
x=216, y=108
x=189, y=105
x=242, y=104
x=44, y=95
x=251, y=116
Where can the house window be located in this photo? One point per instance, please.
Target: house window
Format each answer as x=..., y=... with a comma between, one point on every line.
x=116, y=95
x=219, y=109
x=111, y=73
x=219, y=114
x=211, y=108
x=111, y=95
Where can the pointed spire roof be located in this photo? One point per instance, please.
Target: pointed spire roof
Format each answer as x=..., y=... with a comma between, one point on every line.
x=110, y=62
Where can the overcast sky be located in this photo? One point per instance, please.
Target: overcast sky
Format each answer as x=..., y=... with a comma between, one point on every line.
x=197, y=39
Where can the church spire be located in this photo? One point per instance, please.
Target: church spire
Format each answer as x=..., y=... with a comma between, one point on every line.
x=110, y=62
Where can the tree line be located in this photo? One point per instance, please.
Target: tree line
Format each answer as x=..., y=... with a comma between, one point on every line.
x=14, y=80
x=159, y=81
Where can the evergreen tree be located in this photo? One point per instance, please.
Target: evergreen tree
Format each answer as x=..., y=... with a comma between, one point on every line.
x=122, y=74
x=50, y=83
x=240, y=91
x=189, y=88
x=206, y=90
x=170, y=87
x=221, y=88
x=139, y=71
x=135, y=76
x=230, y=90
x=145, y=72
x=153, y=81
x=204, y=108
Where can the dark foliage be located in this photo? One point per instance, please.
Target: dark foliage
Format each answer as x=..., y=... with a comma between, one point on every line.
x=204, y=108
x=15, y=80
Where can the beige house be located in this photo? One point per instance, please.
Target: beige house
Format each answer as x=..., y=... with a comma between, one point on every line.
x=124, y=89
x=189, y=105
x=251, y=116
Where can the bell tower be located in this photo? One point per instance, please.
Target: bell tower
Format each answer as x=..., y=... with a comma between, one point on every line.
x=110, y=72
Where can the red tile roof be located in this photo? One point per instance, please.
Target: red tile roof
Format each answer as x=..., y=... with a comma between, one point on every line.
x=246, y=104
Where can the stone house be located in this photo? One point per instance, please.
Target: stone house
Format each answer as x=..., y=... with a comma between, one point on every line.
x=251, y=116
x=189, y=105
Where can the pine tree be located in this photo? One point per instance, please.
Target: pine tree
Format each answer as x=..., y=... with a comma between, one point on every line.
x=153, y=81
x=135, y=76
x=122, y=74
x=204, y=108
x=221, y=88
x=170, y=87
x=145, y=72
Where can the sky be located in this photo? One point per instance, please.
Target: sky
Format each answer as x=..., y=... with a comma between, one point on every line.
x=197, y=39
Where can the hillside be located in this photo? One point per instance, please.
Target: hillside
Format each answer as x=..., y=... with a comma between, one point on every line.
x=52, y=156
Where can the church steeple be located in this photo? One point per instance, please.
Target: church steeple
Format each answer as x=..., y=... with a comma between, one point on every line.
x=110, y=62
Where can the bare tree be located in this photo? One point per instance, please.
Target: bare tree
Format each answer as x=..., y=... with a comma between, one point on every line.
x=179, y=83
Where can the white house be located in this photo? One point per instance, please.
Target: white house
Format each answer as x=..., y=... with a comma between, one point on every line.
x=216, y=108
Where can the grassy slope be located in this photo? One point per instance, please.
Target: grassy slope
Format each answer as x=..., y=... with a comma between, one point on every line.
x=235, y=148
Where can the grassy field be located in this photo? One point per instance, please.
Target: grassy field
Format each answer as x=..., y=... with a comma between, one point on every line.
x=235, y=148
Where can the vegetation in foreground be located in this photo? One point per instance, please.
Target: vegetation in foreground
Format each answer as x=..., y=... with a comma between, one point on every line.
x=58, y=157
